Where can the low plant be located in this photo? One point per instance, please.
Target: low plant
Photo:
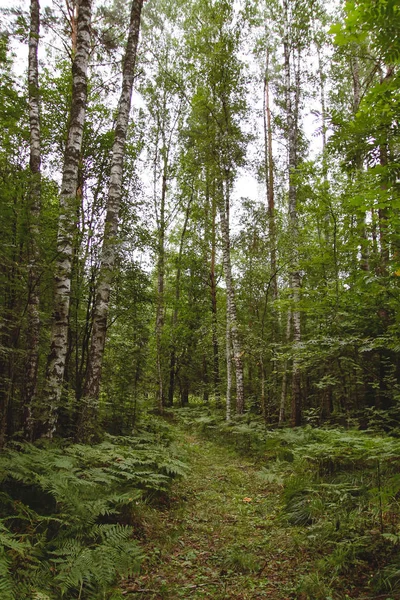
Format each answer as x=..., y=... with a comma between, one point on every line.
x=68, y=513
x=340, y=491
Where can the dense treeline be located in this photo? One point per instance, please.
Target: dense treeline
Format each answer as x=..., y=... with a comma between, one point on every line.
x=135, y=268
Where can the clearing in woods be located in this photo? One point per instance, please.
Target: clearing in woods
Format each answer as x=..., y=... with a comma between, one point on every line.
x=220, y=537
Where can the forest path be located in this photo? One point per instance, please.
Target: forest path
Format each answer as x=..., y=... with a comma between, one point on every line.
x=220, y=537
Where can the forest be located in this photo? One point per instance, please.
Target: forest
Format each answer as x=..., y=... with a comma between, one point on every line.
x=199, y=299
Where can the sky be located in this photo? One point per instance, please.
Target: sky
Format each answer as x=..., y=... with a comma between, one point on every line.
x=246, y=184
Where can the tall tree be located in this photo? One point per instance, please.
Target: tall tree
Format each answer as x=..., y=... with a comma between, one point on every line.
x=33, y=325
x=67, y=220
x=291, y=53
x=109, y=247
x=217, y=104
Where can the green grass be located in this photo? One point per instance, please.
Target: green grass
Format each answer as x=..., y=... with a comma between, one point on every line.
x=221, y=538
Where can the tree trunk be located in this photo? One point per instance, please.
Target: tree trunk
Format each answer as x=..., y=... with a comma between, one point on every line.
x=66, y=226
x=160, y=288
x=292, y=132
x=232, y=323
x=270, y=188
x=172, y=363
x=361, y=219
x=324, y=128
x=285, y=376
x=213, y=287
x=109, y=248
x=228, y=368
x=33, y=321
x=269, y=180
x=184, y=390
x=383, y=217
x=383, y=211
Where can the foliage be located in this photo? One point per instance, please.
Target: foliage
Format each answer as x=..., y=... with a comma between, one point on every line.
x=68, y=513
x=339, y=496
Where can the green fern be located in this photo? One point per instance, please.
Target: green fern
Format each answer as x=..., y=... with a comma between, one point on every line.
x=6, y=582
x=61, y=509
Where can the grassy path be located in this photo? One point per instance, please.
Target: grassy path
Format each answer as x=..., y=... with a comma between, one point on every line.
x=220, y=537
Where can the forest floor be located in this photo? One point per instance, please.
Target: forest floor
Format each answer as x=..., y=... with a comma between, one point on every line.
x=220, y=535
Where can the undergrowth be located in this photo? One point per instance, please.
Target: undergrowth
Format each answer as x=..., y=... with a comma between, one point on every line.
x=68, y=514
x=340, y=497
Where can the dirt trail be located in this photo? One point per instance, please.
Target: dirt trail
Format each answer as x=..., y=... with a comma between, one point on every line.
x=220, y=537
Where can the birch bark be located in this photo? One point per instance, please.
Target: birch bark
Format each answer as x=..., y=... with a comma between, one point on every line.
x=232, y=323
x=214, y=322
x=361, y=217
x=282, y=406
x=228, y=368
x=67, y=218
x=270, y=192
x=292, y=129
x=109, y=247
x=269, y=178
x=160, y=281
x=33, y=321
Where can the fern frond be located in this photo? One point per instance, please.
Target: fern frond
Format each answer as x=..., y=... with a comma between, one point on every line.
x=7, y=588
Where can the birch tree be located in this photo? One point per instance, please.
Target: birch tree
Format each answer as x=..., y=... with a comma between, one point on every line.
x=218, y=103
x=109, y=246
x=67, y=220
x=33, y=325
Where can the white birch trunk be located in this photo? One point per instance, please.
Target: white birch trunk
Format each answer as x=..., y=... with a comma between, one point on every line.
x=160, y=287
x=67, y=218
x=109, y=248
x=285, y=375
x=361, y=225
x=228, y=369
x=269, y=179
x=292, y=132
x=33, y=321
x=214, y=321
x=232, y=323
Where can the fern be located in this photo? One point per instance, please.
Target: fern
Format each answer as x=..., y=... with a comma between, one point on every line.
x=6, y=581
x=62, y=508
x=97, y=565
x=340, y=489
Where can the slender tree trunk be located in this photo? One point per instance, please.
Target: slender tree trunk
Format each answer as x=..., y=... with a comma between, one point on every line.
x=269, y=179
x=172, y=363
x=285, y=371
x=228, y=353
x=160, y=288
x=383, y=211
x=361, y=217
x=72, y=10
x=324, y=128
x=213, y=288
x=109, y=247
x=383, y=217
x=292, y=129
x=264, y=408
x=206, y=391
x=270, y=189
x=166, y=144
x=66, y=225
x=33, y=324
x=232, y=322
